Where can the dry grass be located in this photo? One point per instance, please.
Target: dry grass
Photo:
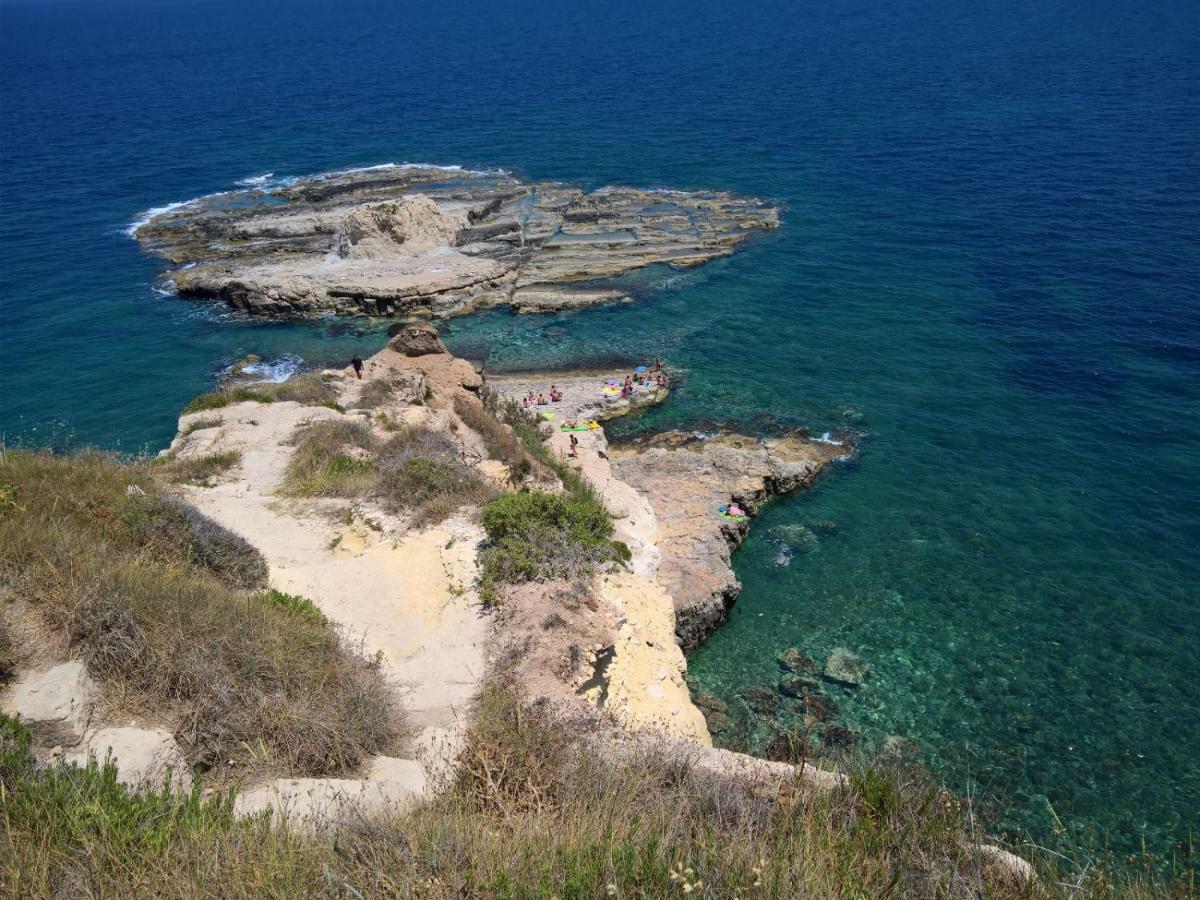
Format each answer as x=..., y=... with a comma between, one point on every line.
x=374, y=394
x=417, y=470
x=532, y=814
x=422, y=471
x=202, y=423
x=332, y=459
x=499, y=439
x=154, y=597
x=200, y=470
x=309, y=389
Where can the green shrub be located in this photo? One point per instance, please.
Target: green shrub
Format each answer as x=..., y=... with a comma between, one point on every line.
x=301, y=606
x=326, y=464
x=533, y=535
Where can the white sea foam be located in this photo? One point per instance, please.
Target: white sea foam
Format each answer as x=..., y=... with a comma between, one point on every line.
x=255, y=180
x=826, y=439
x=269, y=181
x=274, y=370
x=144, y=218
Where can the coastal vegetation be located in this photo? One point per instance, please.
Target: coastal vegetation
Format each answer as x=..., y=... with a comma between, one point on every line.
x=533, y=812
x=416, y=469
x=199, y=470
x=166, y=609
x=309, y=389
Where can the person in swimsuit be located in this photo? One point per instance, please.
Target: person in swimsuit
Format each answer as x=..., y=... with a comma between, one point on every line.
x=357, y=364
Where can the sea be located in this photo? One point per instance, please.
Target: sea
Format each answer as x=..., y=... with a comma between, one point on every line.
x=988, y=275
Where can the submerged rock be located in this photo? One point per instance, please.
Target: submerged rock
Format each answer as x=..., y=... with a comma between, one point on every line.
x=798, y=685
x=817, y=707
x=792, y=660
x=761, y=699
x=844, y=667
x=837, y=737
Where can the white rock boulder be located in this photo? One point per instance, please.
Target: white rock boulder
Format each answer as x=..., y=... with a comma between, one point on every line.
x=144, y=756
x=54, y=704
x=391, y=785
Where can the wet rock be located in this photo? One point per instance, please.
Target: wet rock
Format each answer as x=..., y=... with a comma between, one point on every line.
x=55, y=705
x=798, y=685
x=823, y=526
x=818, y=708
x=798, y=537
x=420, y=239
x=239, y=367
x=792, y=660
x=417, y=339
x=717, y=722
x=837, y=737
x=844, y=667
x=761, y=699
x=686, y=477
x=708, y=701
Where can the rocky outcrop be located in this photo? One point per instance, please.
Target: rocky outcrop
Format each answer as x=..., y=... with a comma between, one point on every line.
x=686, y=479
x=54, y=704
x=390, y=786
x=143, y=756
x=401, y=240
x=417, y=339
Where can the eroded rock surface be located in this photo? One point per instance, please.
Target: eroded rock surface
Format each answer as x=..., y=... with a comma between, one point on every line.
x=143, y=756
x=55, y=704
x=686, y=479
x=400, y=240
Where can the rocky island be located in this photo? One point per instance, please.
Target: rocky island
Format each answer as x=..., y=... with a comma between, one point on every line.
x=402, y=240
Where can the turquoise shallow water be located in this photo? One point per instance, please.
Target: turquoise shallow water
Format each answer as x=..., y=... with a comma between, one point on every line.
x=988, y=264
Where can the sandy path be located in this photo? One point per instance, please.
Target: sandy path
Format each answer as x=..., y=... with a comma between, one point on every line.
x=408, y=601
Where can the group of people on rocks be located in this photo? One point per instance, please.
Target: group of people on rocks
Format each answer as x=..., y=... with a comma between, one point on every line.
x=532, y=399
x=654, y=377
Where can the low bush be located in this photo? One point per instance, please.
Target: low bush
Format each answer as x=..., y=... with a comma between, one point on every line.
x=174, y=530
x=8, y=654
x=309, y=389
x=152, y=595
x=535, y=536
x=199, y=470
x=501, y=441
x=300, y=606
x=202, y=424
x=331, y=460
x=374, y=394
x=421, y=471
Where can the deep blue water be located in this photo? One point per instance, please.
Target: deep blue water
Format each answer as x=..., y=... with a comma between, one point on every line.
x=989, y=263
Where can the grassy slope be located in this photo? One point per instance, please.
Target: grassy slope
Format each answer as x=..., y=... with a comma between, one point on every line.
x=530, y=815
x=167, y=610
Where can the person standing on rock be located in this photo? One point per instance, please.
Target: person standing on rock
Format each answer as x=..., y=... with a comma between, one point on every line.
x=357, y=364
